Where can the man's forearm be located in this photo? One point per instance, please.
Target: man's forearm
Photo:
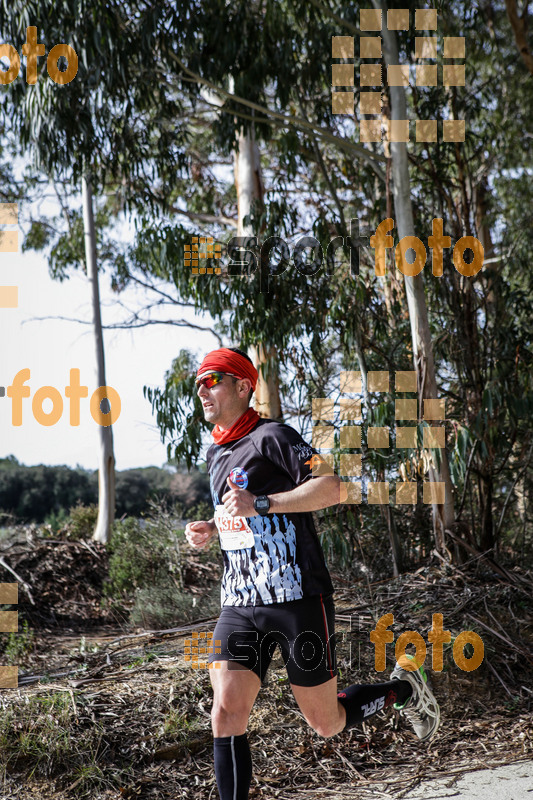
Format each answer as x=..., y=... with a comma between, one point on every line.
x=312, y=495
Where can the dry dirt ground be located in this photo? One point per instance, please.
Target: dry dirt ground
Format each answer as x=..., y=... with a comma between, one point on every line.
x=106, y=711
x=510, y=782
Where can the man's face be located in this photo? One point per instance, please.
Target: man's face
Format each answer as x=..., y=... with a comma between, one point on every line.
x=222, y=403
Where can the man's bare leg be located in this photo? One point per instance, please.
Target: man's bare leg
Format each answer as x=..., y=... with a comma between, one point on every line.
x=320, y=707
x=235, y=688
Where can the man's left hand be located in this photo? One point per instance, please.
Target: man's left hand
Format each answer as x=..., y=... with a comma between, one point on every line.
x=239, y=502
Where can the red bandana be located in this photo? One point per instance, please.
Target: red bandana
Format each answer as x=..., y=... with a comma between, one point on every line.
x=244, y=425
x=225, y=360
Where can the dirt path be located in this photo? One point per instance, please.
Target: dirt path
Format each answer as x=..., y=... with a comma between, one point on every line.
x=512, y=782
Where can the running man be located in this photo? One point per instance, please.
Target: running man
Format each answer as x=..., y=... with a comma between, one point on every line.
x=276, y=588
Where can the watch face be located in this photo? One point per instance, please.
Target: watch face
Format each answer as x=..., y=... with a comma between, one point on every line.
x=262, y=503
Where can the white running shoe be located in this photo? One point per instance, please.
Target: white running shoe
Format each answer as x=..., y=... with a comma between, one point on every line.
x=421, y=709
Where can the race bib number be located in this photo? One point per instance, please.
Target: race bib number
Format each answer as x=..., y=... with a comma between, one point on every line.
x=235, y=533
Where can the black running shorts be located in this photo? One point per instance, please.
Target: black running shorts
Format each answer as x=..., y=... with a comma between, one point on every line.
x=304, y=630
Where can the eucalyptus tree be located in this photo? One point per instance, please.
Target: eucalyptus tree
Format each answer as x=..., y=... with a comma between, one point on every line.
x=482, y=187
x=458, y=183
x=250, y=190
x=443, y=513
x=85, y=127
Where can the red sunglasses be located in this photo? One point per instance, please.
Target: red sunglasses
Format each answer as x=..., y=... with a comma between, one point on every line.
x=211, y=379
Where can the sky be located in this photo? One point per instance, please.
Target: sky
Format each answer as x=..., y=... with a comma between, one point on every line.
x=50, y=348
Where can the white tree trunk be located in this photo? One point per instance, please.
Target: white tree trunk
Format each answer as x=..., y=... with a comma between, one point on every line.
x=106, y=459
x=249, y=186
x=267, y=399
x=443, y=515
x=248, y=180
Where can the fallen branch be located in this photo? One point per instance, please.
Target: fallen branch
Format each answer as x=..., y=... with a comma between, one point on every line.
x=20, y=580
x=498, y=676
x=158, y=634
x=502, y=571
x=507, y=641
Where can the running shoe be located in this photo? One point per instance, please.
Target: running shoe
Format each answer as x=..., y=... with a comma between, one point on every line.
x=421, y=709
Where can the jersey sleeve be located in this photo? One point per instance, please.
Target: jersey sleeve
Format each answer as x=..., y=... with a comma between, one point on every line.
x=285, y=447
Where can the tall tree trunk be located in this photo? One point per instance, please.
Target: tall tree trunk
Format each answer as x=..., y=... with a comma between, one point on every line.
x=493, y=311
x=486, y=537
x=248, y=179
x=267, y=399
x=249, y=186
x=443, y=515
x=106, y=459
x=396, y=548
x=394, y=539
x=519, y=26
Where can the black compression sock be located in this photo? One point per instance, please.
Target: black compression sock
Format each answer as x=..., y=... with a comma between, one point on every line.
x=363, y=700
x=233, y=766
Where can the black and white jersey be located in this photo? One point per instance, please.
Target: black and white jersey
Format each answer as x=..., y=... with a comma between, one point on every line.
x=274, y=558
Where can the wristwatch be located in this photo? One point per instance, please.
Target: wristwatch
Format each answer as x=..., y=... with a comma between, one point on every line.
x=262, y=504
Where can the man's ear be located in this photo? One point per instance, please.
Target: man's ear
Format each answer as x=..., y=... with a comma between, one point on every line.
x=245, y=386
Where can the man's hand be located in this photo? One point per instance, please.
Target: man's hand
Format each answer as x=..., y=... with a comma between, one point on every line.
x=200, y=533
x=239, y=502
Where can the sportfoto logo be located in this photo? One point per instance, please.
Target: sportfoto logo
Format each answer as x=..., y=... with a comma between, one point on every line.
x=372, y=125
x=201, y=645
x=103, y=395
x=32, y=50
x=274, y=256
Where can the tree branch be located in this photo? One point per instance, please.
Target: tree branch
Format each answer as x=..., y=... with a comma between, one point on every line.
x=511, y=490
x=335, y=17
x=204, y=217
x=153, y=288
x=180, y=323
x=359, y=150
